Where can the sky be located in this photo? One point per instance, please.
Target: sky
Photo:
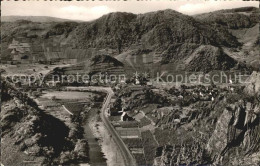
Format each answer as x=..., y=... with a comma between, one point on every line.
x=90, y=10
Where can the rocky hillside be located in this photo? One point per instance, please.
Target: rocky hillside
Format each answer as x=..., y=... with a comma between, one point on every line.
x=246, y=17
x=243, y=23
x=239, y=125
x=169, y=33
x=210, y=58
x=34, y=135
x=233, y=141
x=98, y=64
x=156, y=30
x=188, y=127
x=253, y=84
x=164, y=37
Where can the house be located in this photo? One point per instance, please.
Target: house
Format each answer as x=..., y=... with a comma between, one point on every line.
x=125, y=117
x=137, y=82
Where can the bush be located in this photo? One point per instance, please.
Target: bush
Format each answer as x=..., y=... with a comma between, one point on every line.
x=53, y=98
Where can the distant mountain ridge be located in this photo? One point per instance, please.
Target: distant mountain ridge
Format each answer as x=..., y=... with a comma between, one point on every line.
x=245, y=17
x=35, y=19
x=151, y=30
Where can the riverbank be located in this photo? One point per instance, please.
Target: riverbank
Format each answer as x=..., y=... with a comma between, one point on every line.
x=96, y=156
x=108, y=146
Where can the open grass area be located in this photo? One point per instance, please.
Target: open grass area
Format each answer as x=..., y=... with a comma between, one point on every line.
x=128, y=132
x=74, y=107
x=48, y=103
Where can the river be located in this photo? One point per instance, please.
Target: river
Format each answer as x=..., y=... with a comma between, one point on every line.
x=96, y=155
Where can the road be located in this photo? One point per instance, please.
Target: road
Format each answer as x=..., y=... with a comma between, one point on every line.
x=128, y=157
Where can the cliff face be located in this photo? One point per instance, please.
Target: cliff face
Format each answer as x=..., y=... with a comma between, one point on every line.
x=191, y=129
x=236, y=138
x=232, y=138
x=34, y=135
x=253, y=83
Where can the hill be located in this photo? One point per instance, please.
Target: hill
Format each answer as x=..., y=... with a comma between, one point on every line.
x=157, y=30
x=34, y=134
x=245, y=17
x=97, y=69
x=147, y=41
x=242, y=23
x=34, y=19
x=210, y=58
x=164, y=37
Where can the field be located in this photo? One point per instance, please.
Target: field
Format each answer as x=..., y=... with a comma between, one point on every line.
x=46, y=103
x=74, y=107
x=129, y=124
x=128, y=132
x=64, y=95
x=73, y=101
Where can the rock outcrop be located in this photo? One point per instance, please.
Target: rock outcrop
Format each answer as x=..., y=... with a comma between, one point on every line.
x=236, y=137
x=253, y=82
x=34, y=135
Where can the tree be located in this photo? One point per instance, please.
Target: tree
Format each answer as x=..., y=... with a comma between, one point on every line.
x=53, y=98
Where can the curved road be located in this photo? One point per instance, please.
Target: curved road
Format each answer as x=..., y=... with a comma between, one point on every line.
x=128, y=158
